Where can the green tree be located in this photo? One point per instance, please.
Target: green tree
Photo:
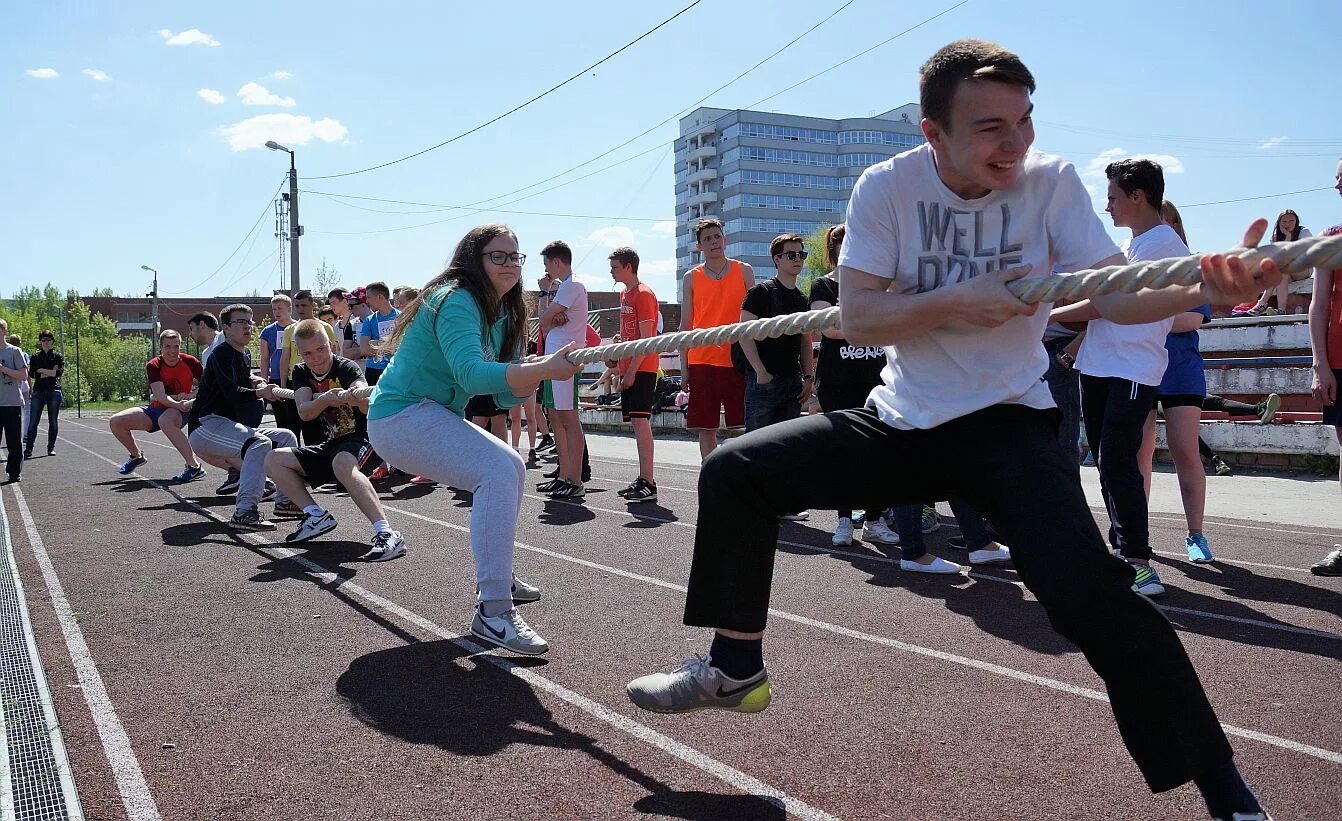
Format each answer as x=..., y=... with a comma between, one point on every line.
x=815, y=259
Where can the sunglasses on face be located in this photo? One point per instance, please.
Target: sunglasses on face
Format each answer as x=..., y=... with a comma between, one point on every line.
x=794, y=255
x=503, y=258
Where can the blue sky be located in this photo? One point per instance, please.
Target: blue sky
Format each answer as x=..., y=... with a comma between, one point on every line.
x=142, y=149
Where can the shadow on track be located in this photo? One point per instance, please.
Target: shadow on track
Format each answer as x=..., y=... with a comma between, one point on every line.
x=438, y=693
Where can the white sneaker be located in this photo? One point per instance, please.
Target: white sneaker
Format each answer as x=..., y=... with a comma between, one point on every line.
x=801, y=516
x=312, y=527
x=508, y=631
x=524, y=593
x=1000, y=554
x=843, y=534
x=879, y=532
x=937, y=565
x=387, y=545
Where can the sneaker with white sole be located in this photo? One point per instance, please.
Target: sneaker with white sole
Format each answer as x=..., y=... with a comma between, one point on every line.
x=991, y=553
x=698, y=685
x=1147, y=582
x=312, y=526
x=230, y=485
x=929, y=521
x=642, y=491
x=567, y=489
x=938, y=566
x=131, y=464
x=1268, y=408
x=288, y=510
x=1199, y=552
x=509, y=631
x=387, y=545
x=189, y=474
x=878, y=532
x=843, y=533
x=249, y=518
x=799, y=516
x=524, y=593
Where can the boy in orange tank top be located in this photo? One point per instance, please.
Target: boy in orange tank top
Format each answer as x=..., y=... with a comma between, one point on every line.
x=711, y=296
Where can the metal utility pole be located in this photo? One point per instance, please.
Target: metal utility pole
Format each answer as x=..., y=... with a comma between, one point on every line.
x=295, y=230
x=153, y=313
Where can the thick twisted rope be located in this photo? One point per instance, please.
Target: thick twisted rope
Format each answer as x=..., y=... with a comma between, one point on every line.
x=1293, y=258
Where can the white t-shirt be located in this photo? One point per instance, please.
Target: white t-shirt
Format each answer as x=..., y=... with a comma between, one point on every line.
x=573, y=296
x=209, y=349
x=1133, y=352
x=904, y=224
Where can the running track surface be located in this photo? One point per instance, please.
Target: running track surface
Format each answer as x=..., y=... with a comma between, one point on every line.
x=233, y=680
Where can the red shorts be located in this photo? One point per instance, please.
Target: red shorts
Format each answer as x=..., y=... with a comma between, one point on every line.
x=716, y=390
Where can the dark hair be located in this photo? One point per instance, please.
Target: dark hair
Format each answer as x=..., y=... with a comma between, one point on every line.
x=704, y=223
x=625, y=255
x=46, y=334
x=379, y=288
x=304, y=295
x=558, y=250
x=965, y=60
x=1132, y=175
x=226, y=315
x=14, y=339
x=324, y=311
x=776, y=246
x=466, y=270
x=208, y=318
x=1277, y=234
x=833, y=239
x=337, y=293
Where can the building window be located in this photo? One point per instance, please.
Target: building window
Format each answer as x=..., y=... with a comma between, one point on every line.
x=772, y=226
x=748, y=249
x=894, y=138
x=787, y=132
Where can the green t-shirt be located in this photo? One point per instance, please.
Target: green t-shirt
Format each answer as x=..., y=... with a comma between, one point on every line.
x=445, y=356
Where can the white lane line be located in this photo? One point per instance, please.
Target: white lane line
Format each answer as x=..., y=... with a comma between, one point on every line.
x=1172, y=554
x=130, y=781
x=1267, y=625
x=668, y=745
x=989, y=667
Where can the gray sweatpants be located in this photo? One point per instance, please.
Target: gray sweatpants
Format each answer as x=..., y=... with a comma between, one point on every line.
x=225, y=439
x=430, y=440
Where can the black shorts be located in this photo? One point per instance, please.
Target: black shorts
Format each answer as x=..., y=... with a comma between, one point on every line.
x=1178, y=400
x=371, y=375
x=636, y=400
x=483, y=405
x=316, y=460
x=1332, y=414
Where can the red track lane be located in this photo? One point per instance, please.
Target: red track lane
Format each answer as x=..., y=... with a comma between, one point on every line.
x=289, y=696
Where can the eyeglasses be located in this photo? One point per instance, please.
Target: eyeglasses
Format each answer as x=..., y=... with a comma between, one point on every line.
x=793, y=255
x=242, y=322
x=503, y=258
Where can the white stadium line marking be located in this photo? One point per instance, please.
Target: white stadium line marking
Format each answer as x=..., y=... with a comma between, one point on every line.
x=130, y=781
x=660, y=741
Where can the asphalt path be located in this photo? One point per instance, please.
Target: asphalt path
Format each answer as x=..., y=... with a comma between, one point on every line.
x=251, y=680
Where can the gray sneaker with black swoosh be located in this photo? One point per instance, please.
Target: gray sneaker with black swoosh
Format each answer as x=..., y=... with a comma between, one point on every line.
x=509, y=631
x=698, y=685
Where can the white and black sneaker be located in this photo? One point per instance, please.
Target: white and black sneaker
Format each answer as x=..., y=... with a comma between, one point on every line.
x=230, y=485
x=567, y=489
x=387, y=545
x=509, y=631
x=270, y=492
x=312, y=527
x=547, y=487
x=524, y=593
x=249, y=518
x=641, y=491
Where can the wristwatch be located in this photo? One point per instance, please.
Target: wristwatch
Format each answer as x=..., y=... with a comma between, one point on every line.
x=806, y=377
x=1067, y=359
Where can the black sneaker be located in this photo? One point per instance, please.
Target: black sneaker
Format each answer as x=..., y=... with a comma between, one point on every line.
x=547, y=442
x=51, y=451
x=230, y=485
x=567, y=490
x=552, y=474
x=28, y=454
x=546, y=487
x=531, y=455
x=644, y=492
x=630, y=488
x=1330, y=565
x=288, y=509
x=249, y=519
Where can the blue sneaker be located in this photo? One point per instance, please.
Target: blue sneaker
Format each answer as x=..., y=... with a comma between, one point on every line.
x=1147, y=582
x=189, y=474
x=131, y=464
x=1198, y=551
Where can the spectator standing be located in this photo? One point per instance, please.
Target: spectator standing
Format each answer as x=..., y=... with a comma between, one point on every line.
x=637, y=375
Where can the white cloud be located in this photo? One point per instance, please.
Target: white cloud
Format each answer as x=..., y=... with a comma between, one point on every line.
x=612, y=236
x=97, y=74
x=1272, y=143
x=190, y=37
x=660, y=276
x=211, y=96
x=665, y=228
x=289, y=129
x=43, y=73
x=1095, y=168
x=256, y=94
x=280, y=75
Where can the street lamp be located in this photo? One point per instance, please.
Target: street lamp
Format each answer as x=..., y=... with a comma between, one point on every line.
x=153, y=312
x=294, y=228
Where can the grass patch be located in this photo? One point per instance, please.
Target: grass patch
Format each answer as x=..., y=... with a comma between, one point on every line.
x=113, y=406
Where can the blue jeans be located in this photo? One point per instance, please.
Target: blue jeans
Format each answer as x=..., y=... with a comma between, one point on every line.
x=51, y=400
x=909, y=526
x=772, y=403
x=1065, y=385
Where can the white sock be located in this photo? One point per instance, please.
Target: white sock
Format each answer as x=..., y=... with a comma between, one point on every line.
x=381, y=526
x=314, y=510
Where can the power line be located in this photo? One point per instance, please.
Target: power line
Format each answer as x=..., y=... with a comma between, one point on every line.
x=518, y=108
x=1228, y=142
x=224, y=290
x=861, y=53
x=1260, y=197
x=245, y=237
x=438, y=207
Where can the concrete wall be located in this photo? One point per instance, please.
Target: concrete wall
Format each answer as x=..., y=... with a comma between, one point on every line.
x=1284, y=381
x=1267, y=338
x=1250, y=437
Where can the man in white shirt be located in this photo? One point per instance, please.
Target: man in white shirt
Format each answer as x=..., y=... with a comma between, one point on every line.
x=1121, y=367
x=203, y=328
x=570, y=302
x=934, y=236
